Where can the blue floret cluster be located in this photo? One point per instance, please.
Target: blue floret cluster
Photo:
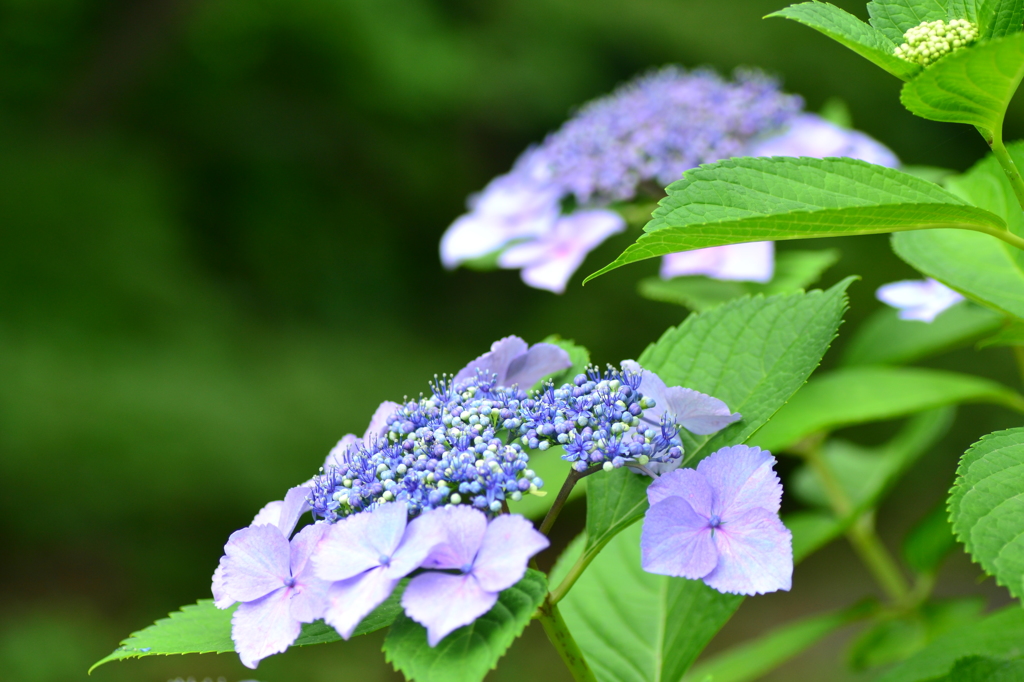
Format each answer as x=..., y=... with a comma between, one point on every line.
x=467, y=442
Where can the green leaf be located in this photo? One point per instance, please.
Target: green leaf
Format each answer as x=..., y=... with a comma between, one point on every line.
x=997, y=18
x=1010, y=335
x=984, y=669
x=868, y=473
x=202, y=628
x=986, y=506
x=794, y=271
x=754, y=199
x=986, y=186
x=851, y=32
x=885, y=339
x=894, y=17
x=635, y=626
x=998, y=635
x=856, y=395
x=973, y=85
x=899, y=637
x=467, y=654
x=750, y=660
x=965, y=9
x=930, y=541
x=615, y=500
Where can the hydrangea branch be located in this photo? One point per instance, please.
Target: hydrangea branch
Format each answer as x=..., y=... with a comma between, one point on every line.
x=571, y=480
x=558, y=632
x=995, y=141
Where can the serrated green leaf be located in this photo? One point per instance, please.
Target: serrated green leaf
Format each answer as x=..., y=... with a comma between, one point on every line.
x=998, y=18
x=469, y=653
x=894, y=17
x=634, y=626
x=973, y=85
x=202, y=628
x=986, y=506
x=986, y=186
x=898, y=637
x=885, y=339
x=998, y=635
x=794, y=270
x=857, y=395
x=851, y=32
x=755, y=199
x=930, y=541
x=751, y=660
x=615, y=499
x=868, y=473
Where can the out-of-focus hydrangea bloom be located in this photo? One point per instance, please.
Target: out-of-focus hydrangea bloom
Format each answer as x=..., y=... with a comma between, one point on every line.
x=488, y=558
x=514, y=363
x=648, y=130
x=752, y=262
x=918, y=299
x=720, y=523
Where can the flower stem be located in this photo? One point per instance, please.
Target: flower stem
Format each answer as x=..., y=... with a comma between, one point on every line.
x=995, y=141
x=571, y=480
x=861, y=533
x=558, y=632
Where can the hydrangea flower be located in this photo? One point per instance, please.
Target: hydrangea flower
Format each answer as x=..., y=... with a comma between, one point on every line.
x=751, y=262
x=488, y=558
x=513, y=363
x=720, y=523
x=921, y=300
x=272, y=578
x=340, y=453
x=364, y=556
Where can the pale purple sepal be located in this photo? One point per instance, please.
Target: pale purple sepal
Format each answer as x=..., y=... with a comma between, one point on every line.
x=491, y=557
x=694, y=411
x=285, y=514
x=549, y=261
x=515, y=363
x=263, y=627
x=365, y=555
x=256, y=562
x=720, y=523
x=921, y=300
x=750, y=262
x=811, y=135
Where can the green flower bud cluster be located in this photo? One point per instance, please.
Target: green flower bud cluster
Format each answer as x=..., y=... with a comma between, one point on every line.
x=929, y=41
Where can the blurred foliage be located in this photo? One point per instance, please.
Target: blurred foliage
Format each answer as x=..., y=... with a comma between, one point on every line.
x=220, y=223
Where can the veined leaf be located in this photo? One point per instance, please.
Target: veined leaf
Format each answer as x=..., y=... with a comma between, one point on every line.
x=469, y=653
x=998, y=635
x=635, y=626
x=985, y=669
x=973, y=85
x=615, y=500
x=894, y=17
x=964, y=9
x=794, y=270
x=857, y=395
x=997, y=18
x=202, y=628
x=885, y=339
x=756, y=199
x=851, y=32
x=986, y=506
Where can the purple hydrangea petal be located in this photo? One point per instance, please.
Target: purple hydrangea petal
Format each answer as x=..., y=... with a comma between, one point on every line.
x=296, y=503
x=496, y=360
x=677, y=541
x=463, y=528
x=811, y=135
x=742, y=478
x=697, y=412
x=755, y=555
x=541, y=360
x=220, y=594
x=921, y=300
x=442, y=602
x=256, y=562
x=379, y=422
x=270, y=514
x=357, y=543
x=688, y=484
x=422, y=535
x=750, y=262
x=263, y=627
x=507, y=546
x=309, y=595
x=351, y=600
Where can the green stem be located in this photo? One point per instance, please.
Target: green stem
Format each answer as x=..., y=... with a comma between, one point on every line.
x=558, y=632
x=861, y=533
x=995, y=141
x=1003, y=234
x=563, y=495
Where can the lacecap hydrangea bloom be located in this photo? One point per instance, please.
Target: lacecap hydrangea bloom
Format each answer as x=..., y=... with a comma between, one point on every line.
x=918, y=299
x=423, y=496
x=555, y=205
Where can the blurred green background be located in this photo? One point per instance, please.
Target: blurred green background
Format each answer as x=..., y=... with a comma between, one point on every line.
x=220, y=222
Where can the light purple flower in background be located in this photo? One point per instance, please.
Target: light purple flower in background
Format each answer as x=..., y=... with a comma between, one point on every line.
x=752, y=262
x=550, y=260
x=921, y=300
x=490, y=557
x=272, y=578
x=377, y=428
x=720, y=523
x=513, y=362
x=811, y=135
x=365, y=556
x=694, y=411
